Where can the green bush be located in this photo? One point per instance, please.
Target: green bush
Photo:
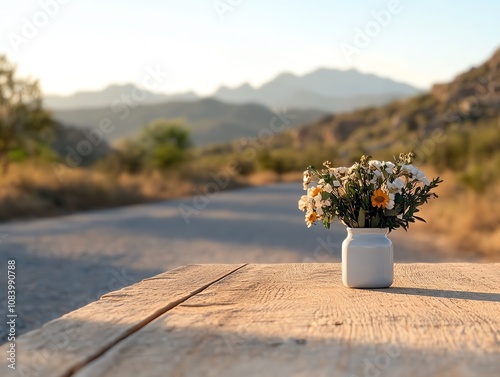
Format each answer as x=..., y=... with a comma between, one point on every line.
x=17, y=155
x=161, y=145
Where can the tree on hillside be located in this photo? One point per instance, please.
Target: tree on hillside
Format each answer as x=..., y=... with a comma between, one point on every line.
x=23, y=121
x=165, y=142
x=161, y=144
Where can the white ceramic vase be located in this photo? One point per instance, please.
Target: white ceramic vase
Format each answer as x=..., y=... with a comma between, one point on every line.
x=367, y=258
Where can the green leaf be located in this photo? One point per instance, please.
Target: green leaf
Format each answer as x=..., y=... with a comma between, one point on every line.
x=390, y=212
x=361, y=218
x=420, y=219
x=326, y=223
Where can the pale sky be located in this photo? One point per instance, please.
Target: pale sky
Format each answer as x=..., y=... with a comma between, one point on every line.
x=89, y=44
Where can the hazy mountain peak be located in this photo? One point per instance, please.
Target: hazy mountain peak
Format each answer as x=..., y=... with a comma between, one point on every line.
x=119, y=86
x=246, y=86
x=285, y=75
x=328, y=89
x=324, y=88
x=105, y=97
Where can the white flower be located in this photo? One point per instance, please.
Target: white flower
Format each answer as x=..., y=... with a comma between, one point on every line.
x=400, y=216
x=409, y=169
x=374, y=165
x=415, y=174
x=374, y=180
x=339, y=171
x=319, y=210
x=328, y=188
x=389, y=166
x=306, y=179
x=390, y=204
x=310, y=218
x=304, y=202
x=395, y=186
x=336, y=184
x=420, y=176
x=317, y=199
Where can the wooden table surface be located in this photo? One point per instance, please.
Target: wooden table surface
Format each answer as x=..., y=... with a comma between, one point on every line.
x=277, y=320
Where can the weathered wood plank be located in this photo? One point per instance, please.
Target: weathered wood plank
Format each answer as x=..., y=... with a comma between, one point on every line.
x=298, y=320
x=64, y=345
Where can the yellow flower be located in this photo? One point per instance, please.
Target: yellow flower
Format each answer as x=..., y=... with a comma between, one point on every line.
x=311, y=218
x=380, y=199
x=316, y=191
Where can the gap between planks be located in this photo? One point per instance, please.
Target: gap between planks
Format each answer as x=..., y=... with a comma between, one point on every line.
x=146, y=321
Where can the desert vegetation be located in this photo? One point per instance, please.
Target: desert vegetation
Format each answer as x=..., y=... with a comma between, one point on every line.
x=49, y=168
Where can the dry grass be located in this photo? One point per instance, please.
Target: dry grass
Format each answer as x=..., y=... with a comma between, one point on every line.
x=31, y=190
x=34, y=190
x=469, y=221
x=464, y=219
x=267, y=177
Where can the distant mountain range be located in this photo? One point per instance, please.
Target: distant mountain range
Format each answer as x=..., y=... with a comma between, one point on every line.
x=105, y=97
x=211, y=121
x=230, y=113
x=329, y=90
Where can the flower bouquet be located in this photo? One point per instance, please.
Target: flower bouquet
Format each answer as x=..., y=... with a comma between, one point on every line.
x=370, y=197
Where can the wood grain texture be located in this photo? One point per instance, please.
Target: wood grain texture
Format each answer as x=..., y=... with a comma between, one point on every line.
x=62, y=346
x=298, y=320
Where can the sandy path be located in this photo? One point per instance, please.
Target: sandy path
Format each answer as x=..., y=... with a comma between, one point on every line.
x=65, y=262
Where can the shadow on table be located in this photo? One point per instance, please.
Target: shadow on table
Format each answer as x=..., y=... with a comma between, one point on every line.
x=464, y=295
x=161, y=348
